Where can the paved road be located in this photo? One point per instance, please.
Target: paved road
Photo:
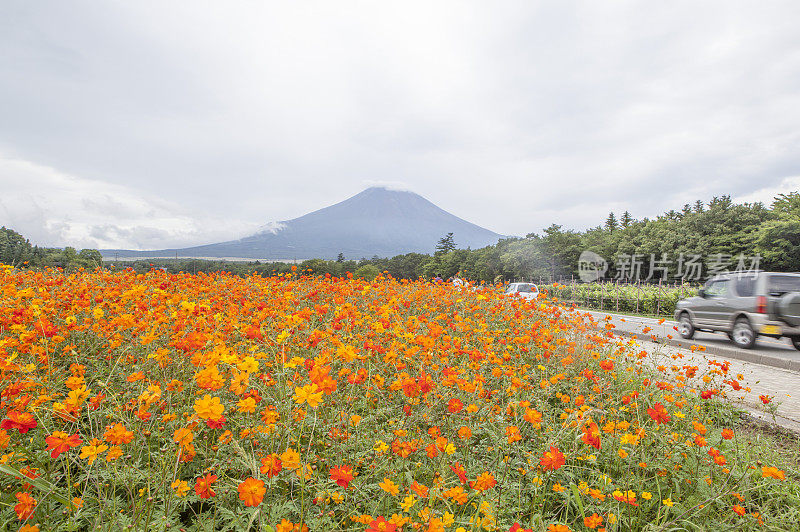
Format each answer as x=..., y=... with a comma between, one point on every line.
x=767, y=348
x=781, y=385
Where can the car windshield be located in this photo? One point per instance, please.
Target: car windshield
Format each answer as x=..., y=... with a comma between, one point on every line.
x=525, y=288
x=780, y=284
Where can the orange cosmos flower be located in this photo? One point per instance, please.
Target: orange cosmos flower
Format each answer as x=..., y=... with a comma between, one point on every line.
x=534, y=417
x=593, y=521
x=591, y=435
x=484, y=482
x=773, y=472
x=552, y=459
x=420, y=489
x=727, y=434
x=271, y=465
x=342, y=475
x=513, y=434
x=738, y=510
x=117, y=434
x=457, y=494
x=25, y=506
x=61, y=442
x=203, y=486
x=251, y=492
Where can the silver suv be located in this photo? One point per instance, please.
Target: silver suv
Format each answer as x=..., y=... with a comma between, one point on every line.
x=744, y=305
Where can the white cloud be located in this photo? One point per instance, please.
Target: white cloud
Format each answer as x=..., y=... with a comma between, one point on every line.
x=54, y=209
x=513, y=115
x=767, y=195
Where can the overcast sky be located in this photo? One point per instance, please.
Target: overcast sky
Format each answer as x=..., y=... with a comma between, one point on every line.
x=155, y=124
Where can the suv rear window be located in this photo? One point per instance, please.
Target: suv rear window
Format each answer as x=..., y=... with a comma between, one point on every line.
x=524, y=288
x=745, y=285
x=779, y=284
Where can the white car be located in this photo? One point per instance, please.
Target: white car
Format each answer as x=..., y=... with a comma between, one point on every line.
x=523, y=290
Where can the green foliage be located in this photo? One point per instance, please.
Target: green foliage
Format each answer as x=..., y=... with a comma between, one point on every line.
x=627, y=298
x=368, y=272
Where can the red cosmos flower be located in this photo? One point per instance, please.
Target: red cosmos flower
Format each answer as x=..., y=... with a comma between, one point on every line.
x=61, y=442
x=22, y=421
x=727, y=434
x=591, y=435
x=342, y=475
x=271, y=465
x=216, y=423
x=607, y=364
x=658, y=413
x=552, y=459
x=25, y=506
x=425, y=382
x=460, y=471
x=203, y=486
x=764, y=399
x=516, y=527
x=454, y=406
x=381, y=525
x=411, y=388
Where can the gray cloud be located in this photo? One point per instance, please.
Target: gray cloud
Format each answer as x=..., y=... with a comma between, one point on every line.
x=513, y=115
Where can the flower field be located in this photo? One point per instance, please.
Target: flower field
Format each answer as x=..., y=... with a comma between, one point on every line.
x=214, y=402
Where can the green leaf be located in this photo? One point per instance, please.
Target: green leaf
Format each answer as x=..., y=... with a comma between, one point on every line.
x=578, y=499
x=38, y=483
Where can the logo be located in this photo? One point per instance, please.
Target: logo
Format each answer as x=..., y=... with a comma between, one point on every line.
x=591, y=267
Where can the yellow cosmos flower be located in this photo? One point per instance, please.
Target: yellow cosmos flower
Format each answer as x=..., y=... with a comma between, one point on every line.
x=308, y=394
x=209, y=407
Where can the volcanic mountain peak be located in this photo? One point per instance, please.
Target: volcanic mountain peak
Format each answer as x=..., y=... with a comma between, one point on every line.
x=376, y=221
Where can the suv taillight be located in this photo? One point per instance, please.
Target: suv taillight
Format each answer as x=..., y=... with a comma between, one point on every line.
x=761, y=305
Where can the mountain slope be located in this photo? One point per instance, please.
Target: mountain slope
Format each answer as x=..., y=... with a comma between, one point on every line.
x=376, y=221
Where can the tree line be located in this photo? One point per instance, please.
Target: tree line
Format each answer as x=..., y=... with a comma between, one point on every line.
x=709, y=234
x=17, y=251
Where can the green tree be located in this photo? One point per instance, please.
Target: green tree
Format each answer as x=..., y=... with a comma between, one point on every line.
x=446, y=244
x=90, y=258
x=611, y=223
x=625, y=220
x=368, y=272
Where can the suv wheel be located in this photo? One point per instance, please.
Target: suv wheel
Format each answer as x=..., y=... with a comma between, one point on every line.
x=685, y=326
x=743, y=334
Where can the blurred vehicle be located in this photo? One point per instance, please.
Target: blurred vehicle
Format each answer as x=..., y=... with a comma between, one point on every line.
x=744, y=305
x=524, y=290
